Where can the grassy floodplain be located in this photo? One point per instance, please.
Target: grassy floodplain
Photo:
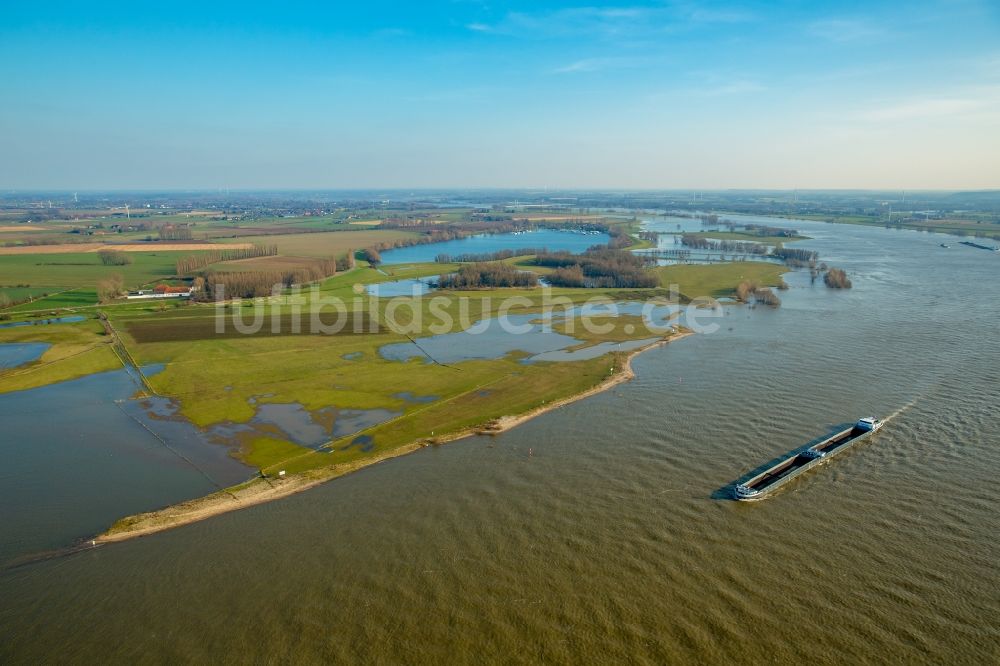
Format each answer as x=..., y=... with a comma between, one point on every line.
x=316, y=372
x=223, y=381
x=719, y=280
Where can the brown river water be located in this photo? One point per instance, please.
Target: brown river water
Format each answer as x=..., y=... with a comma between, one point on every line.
x=602, y=532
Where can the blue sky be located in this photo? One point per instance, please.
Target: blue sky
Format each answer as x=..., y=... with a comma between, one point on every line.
x=526, y=94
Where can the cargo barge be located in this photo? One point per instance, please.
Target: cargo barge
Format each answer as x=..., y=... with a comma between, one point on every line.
x=763, y=484
x=991, y=248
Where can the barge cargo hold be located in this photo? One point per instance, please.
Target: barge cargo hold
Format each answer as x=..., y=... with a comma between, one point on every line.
x=763, y=484
x=992, y=248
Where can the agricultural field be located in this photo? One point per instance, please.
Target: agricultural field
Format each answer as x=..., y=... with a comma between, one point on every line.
x=84, y=269
x=69, y=273
x=333, y=244
x=274, y=263
x=15, y=293
x=58, y=299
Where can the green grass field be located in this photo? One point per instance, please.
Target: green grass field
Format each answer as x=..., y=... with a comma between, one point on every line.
x=15, y=294
x=59, y=299
x=719, y=280
x=84, y=269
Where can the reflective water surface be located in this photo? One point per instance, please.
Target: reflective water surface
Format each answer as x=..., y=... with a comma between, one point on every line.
x=601, y=532
x=552, y=240
x=13, y=354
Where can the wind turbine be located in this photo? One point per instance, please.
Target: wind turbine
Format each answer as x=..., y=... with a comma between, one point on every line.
x=127, y=216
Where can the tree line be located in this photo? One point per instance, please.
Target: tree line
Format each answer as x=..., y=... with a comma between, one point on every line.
x=254, y=284
x=114, y=258
x=191, y=263
x=175, y=232
x=473, y=257
x=479, y=275
x=729, y=246
x=599, y=266
x=753, y=229
x=795, y=257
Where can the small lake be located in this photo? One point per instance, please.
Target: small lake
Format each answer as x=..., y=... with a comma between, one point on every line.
x=42, y=322
x=412, y=287
x=13, y=354
x=550, y=239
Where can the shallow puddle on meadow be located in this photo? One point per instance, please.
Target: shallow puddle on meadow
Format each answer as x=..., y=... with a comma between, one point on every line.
x=292, y=421
x=13, y=354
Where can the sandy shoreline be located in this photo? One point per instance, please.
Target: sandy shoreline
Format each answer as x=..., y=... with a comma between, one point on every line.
x=259, y=490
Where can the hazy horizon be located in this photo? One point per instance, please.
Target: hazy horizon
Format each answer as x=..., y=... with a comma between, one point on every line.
x=467, y=95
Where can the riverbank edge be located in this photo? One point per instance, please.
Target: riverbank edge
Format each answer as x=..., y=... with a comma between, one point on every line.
x=260, y=490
